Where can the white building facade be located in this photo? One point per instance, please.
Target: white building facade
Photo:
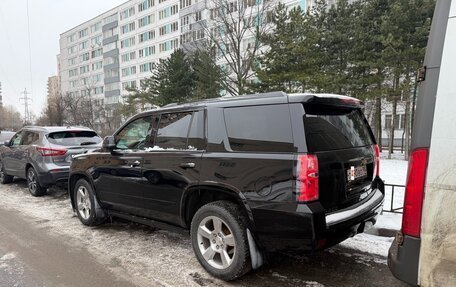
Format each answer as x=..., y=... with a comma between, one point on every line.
x=115, y=50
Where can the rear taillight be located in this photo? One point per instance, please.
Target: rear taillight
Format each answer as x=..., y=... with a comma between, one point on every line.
x=377, y=161
x=414, y=192
x=44, y=151
x=307, y=178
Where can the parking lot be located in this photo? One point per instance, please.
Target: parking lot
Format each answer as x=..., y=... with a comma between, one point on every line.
x=42, y=243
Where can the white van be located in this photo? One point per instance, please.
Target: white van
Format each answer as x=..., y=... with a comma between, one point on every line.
x=424, y=251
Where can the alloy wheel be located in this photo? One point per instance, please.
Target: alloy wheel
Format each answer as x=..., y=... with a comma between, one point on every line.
x=32, y=183
x=216, y=242
x=83, y=202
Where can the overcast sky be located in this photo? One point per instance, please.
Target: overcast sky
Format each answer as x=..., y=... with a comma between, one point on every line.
x=48, y=19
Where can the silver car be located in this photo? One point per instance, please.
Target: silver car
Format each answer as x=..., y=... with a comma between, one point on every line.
x=43, y=155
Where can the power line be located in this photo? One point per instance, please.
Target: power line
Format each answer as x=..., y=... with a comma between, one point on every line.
x=29, y=47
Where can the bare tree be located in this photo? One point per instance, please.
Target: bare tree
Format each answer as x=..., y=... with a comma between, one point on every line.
x=10, y=118
x=233, y=30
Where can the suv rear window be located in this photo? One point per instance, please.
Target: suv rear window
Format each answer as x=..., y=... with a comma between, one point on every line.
x=329, y=128
x=259, y=128
x=74, y=138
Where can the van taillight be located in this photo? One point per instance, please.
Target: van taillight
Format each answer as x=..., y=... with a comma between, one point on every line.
x=414, y=192
x=377, y=160
x=44, y=151
x=307, y=178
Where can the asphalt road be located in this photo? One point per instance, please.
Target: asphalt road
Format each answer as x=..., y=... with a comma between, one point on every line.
x=34, y=252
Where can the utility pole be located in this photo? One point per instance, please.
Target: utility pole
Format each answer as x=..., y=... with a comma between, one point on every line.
x=26, y=100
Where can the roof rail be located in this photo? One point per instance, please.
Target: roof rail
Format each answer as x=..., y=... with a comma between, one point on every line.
x=170, y=105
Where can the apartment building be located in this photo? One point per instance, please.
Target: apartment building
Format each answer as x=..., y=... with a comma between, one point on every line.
x=1, y=98
x=105, y=55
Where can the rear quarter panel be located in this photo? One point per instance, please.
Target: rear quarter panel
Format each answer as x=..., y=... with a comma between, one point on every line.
x=438, y=245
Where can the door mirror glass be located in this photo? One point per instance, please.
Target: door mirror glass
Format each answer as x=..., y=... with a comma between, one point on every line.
x=6, y=143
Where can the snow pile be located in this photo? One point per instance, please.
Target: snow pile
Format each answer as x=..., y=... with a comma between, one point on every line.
x=369, y=244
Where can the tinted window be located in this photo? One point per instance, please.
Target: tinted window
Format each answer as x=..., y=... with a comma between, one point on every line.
x=136, y=134
x=259, y=128
x=331, y=129
x=74, y=138
x=173, y=131
x=30, y=138
x=196, y=134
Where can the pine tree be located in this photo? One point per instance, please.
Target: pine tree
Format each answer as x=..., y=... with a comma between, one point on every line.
x=207, y=75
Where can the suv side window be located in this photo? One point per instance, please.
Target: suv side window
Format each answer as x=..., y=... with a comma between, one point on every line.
x=30, y=138
x=16, y=140
x=259, y=128
x=136, y=135
x=173, y=131
x=196, y=135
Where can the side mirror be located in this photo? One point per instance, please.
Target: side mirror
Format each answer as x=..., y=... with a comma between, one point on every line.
x=109, y=143
x=6, y=143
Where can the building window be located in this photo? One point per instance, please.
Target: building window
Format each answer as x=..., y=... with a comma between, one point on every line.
x=96, y=78
x=128, y=71
x=98, y=90
x=73, y=72
x=110, y=19
x=146, y=36
x=83, y=32
x=174, y=9
x=198, y=35
x=84, y=57
x=161, y=1
x=146, y=20
x=145, y=5
x=84, y=69
x=185, y=21
x=111, y=73
x=185, y=3
x=198, y=16
x=109, y=33
x=169, y=45
x=72, y=61
x=146, y=51
x=147, y=67
x=72, y=50
x=96, y=40
x=97, y=65
x=97, y=53
x=71, y=38
x=110, y=60
x=127, y=28
x=127, y=13
x=95, y=27
x=111, y=87
x=128, y=85
x=110, y=47
x=128, y=57
x=127, y=42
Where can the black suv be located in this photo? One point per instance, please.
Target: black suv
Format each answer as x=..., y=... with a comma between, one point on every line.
x=244, y=174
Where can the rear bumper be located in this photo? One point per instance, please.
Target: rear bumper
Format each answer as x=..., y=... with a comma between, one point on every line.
x=306, y=226
x=54, y=176
x=403, y=259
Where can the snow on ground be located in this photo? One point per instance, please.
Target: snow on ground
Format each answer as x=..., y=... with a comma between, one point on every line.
x=392, y=171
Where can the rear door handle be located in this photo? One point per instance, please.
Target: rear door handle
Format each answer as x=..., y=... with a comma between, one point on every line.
x=187, y=165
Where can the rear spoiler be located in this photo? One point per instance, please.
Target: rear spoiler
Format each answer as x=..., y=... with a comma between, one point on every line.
x=326, y=100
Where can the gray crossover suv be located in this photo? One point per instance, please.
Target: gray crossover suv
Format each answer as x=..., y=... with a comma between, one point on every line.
x=43, y=155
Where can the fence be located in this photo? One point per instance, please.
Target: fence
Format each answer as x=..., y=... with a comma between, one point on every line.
x=394, y=198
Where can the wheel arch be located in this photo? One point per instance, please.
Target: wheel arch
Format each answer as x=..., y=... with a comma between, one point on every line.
x=197, y=196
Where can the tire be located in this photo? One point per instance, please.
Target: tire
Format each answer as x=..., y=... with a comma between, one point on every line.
x=5, y=178
x=33, y=183
x=87, y=209
x=229, y=244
